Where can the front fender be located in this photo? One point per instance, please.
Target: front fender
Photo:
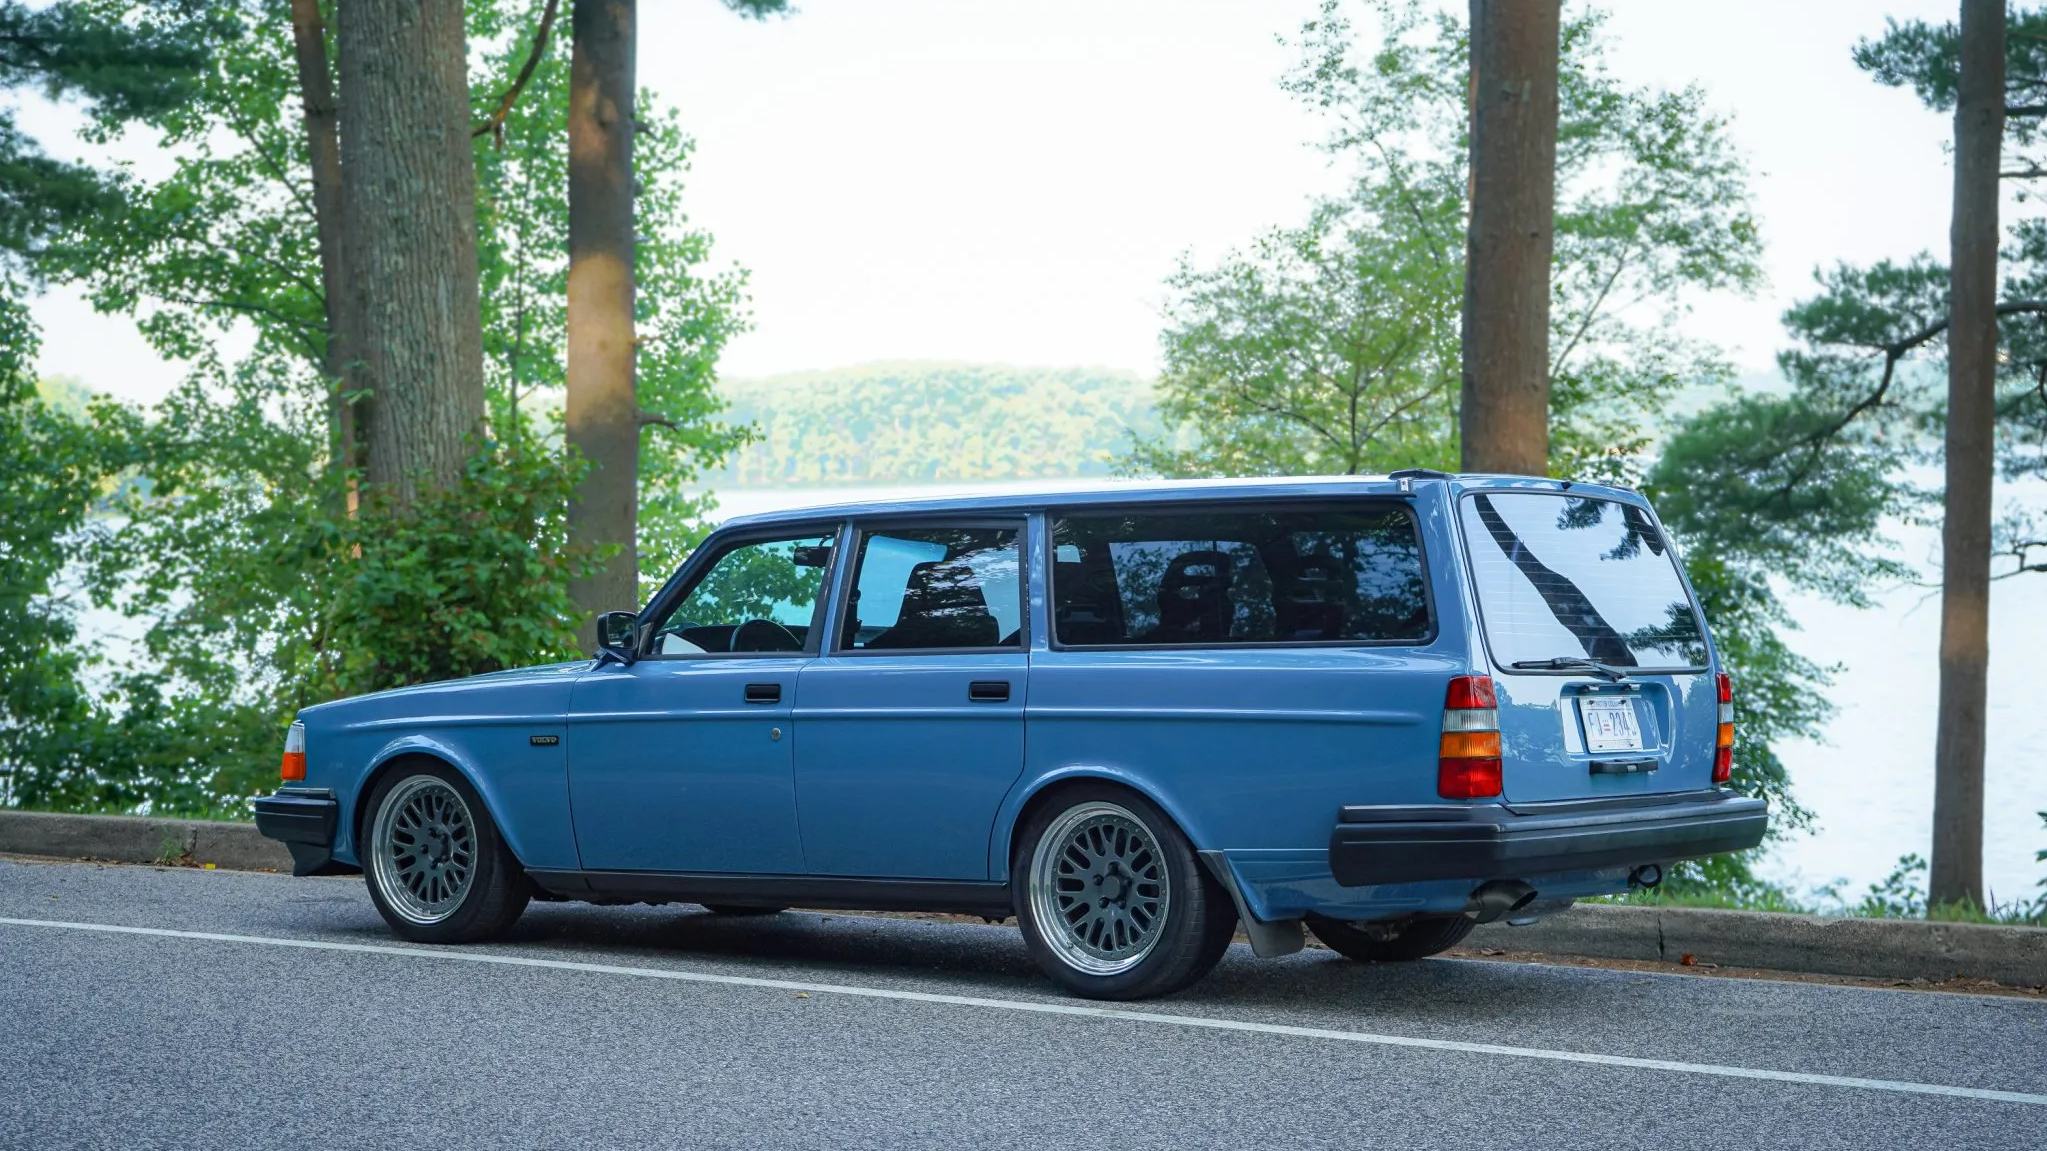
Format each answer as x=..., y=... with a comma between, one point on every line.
x=1030, y=786
x=530, y=849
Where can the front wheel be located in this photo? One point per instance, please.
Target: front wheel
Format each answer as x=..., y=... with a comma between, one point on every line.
x=1417, y=938
x=1113, y=902
x=436, y=867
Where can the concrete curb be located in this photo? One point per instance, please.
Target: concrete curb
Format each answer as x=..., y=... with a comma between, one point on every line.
x=1874, y=948
x=141, y=839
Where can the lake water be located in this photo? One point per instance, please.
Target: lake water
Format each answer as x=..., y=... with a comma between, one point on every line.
x=1870, y=783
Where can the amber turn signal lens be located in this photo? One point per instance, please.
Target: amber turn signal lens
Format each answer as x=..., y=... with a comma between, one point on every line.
x=1470, y=745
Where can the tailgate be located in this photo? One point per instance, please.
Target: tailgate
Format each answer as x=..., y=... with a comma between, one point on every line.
x=1598, y=653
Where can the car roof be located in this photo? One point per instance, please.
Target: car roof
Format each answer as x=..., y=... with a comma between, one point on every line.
x=1036, y=495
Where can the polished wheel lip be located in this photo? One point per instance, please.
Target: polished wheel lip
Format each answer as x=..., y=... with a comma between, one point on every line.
x=1106, y=847
x=423, y=850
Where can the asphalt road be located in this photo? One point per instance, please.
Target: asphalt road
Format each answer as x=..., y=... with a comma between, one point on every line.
x=246, y=1010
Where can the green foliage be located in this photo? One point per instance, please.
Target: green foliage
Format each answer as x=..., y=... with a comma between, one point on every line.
x=119, y=68
x=921, y=422
x=1326, y=349
x=1331, y=347
x=231, y=545
x=469, y=579
x=1927, y=59
x=48, y=478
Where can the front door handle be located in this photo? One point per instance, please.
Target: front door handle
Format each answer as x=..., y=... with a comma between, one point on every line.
x=764, y=693
x=988, y=691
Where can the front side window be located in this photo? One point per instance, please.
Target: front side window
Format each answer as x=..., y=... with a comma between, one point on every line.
x=758, y=597
x=936, y=587
x=1567, y=577
x=1345, y=574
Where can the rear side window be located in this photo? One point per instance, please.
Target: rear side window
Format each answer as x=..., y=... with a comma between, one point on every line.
x=1212, y=576
x=1576, y=577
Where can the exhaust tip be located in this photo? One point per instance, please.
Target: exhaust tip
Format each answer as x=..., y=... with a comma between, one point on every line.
x=1647, y=877
x=1498, y=899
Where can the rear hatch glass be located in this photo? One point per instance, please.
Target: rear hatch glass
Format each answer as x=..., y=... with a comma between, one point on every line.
x=1598, y=652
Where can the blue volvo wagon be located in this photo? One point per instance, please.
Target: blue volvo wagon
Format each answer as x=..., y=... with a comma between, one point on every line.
x=1133, y=716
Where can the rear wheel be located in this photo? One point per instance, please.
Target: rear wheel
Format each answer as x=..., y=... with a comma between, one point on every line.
x=436, y=868
x=1392, y=942
x=1113, y=902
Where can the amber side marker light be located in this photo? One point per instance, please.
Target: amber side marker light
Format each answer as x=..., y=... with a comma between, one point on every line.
x=1723, y=740
x=1468, y=758
x=294, y=752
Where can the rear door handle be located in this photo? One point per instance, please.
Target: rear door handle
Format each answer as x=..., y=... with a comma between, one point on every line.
x=988, y=691
x=764, y=693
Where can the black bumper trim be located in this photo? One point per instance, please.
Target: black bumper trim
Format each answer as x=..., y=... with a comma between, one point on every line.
x=305, y=825
x=1389, y=844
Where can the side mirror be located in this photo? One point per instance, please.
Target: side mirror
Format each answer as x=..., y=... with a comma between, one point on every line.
x=615, y=630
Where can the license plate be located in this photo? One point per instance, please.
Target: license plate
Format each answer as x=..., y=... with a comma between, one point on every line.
x=1610, y=725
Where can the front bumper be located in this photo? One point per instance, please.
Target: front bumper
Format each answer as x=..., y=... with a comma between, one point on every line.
x=304, y=822
x=1375, y=844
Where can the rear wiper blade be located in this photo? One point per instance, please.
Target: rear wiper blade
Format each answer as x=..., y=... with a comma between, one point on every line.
x=1570, y=663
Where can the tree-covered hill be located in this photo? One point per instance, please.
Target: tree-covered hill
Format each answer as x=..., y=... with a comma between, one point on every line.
x=933, y=422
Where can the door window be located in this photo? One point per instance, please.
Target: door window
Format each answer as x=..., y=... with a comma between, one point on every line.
x=1222, y=576
x=936, y=588
x=757, y=598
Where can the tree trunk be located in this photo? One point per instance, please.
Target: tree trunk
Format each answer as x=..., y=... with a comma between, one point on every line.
x=1504, y=421
x=409, y=204
x=1957, y=872
x=602, y=413
x=323, y=144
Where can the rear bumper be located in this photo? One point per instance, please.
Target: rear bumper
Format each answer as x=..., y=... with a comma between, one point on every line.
x=1401, y=844
x=304, y=822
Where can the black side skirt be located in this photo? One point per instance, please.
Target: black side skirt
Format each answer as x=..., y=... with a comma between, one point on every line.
x=831, y=892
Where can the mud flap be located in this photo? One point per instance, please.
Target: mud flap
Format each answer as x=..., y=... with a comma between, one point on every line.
x=1270, y=939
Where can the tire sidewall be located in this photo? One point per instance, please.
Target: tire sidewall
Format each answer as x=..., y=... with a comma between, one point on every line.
x=491, y=889
x=1187, y=946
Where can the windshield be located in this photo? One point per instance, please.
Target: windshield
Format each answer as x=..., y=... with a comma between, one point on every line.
x=1578, y=577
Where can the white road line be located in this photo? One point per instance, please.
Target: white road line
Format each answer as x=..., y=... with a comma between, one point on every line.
x=1074, y=1009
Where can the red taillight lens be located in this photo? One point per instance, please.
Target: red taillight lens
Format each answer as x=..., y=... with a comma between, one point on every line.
x=1468, y=754
x=1468, y=778
x=294, y=753
x=1469, y=692
x=1723, y=736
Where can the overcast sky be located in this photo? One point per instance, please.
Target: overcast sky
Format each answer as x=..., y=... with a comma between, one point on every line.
x=1010, y=180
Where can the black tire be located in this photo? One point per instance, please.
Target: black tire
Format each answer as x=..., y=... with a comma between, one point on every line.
x=481, y=905
x=1174, y=949
x=1417, y=938
x=734, y=909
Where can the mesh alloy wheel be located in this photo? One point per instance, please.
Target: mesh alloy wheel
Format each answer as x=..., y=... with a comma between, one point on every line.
x=1100, y=888
x=424, y=850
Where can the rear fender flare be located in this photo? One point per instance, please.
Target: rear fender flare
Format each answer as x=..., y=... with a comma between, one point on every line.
x=1010, y=814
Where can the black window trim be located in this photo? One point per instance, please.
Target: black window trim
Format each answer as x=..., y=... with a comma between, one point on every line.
x=718, y=546
x=1401, y=504
x=856, y=539
x=1485, y=634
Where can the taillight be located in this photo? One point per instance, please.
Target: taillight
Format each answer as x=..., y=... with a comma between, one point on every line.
x=1468, y=758
x=1723, y=740
x=294, y=752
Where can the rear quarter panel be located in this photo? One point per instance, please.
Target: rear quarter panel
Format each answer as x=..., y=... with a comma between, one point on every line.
x=1251, y=750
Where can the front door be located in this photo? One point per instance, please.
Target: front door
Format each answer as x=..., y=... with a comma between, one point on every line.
x=682, y=761
x=913, y=721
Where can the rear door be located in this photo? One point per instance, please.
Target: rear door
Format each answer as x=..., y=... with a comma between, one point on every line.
x=913, y=722
x=1565, y=579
